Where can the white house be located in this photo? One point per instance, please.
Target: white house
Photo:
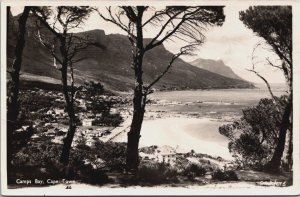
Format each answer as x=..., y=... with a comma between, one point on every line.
x=59, y=111
x=114, y=111
x=87, y=122
x=90, y=142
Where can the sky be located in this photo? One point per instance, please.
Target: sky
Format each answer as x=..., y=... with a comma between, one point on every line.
x=233, y=43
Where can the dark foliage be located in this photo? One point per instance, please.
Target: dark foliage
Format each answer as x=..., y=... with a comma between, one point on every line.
x=194, y=170
x=87, y=164
x=93, y=176
x=254, y=137
x=93, y=88
x=156, y=173
x=113, y=154
x=274, y=24
x=113, y=120
x=224, y=175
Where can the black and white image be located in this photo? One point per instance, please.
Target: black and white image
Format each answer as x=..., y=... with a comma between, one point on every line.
x=117, y=98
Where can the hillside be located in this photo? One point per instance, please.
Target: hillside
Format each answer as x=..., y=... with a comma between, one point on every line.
x=215, y=66
x=111, y=64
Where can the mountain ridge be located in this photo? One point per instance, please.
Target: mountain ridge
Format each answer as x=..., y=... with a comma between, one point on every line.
x=215, y=66
x=110, y=64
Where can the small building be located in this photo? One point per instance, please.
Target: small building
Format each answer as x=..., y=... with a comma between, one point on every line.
x=63, y=129
x=50, y=112
x=59, y=111
x=51, y=133
x=87, y=122
x=99, y=115
x=114, y=111
x=90, y=142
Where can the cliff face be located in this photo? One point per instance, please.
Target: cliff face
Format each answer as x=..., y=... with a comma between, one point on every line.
x=110, y=63
x=215, y=66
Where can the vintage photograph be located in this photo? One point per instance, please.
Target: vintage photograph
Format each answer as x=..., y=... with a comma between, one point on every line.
x=105, y=98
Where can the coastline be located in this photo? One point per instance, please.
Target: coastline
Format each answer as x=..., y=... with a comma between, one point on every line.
x=182, y=132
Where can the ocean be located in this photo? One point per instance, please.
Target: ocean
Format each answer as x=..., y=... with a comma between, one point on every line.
x=217, y=102
x=206, y=111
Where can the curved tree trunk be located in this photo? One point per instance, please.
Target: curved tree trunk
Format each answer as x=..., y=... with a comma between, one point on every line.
x=13, y=105
x=13, y=89
x=64, y=158
x=274, y=164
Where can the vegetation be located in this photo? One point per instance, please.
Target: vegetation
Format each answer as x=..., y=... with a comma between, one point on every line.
x=156, y=173
x=69, y=18
x=194, y=170
x=86, y=163
x=254, y=136
x=43, y=147
x=14, y=83
x=274, y=24
x=107, y=119
x=228, y=175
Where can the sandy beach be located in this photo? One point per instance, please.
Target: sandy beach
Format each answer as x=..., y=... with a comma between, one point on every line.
x=184, y=134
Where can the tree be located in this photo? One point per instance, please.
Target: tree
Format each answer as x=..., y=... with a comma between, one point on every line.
x=255, y=135
x=182, y=23
x=274, y=24
x=13, y=85
x=65, y=20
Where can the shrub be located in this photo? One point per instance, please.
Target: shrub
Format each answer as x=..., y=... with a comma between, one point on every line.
x=157, y=173
x=90, y=175
x=36, y=156
x=194, y=170
x=29, y=161
x=148, y=150
x=254, y=136
x=113, y=153
x=113, y=120
x=224, y=175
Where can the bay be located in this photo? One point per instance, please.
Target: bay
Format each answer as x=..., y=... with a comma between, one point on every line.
x=206, y=111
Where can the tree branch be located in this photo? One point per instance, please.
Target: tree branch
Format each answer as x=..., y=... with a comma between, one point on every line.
x=183, y=51
x=43, y=20
x=50, y=48
x=114, y=21
x=152, y=45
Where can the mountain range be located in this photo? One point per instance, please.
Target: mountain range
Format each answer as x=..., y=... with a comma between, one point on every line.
x=215, y=66
x=110, y=64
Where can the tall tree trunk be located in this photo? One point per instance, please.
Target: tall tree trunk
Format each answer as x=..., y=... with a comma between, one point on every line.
x=274, y=164
x=64, y=158
x=13, y=89
x=13, y=105
x=132, y=156
x=139, y=101
x=289, y=156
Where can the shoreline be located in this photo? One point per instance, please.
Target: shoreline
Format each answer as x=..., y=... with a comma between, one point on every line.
x=181, y=131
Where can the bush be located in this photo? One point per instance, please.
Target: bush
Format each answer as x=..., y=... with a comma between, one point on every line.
x=113, y=153
x=88, y=174
x=113, y=120
x=157, y=173
x=36, y=156
x=194, y=170
x=224, y=175
x=29, y=161
x=254, y=136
